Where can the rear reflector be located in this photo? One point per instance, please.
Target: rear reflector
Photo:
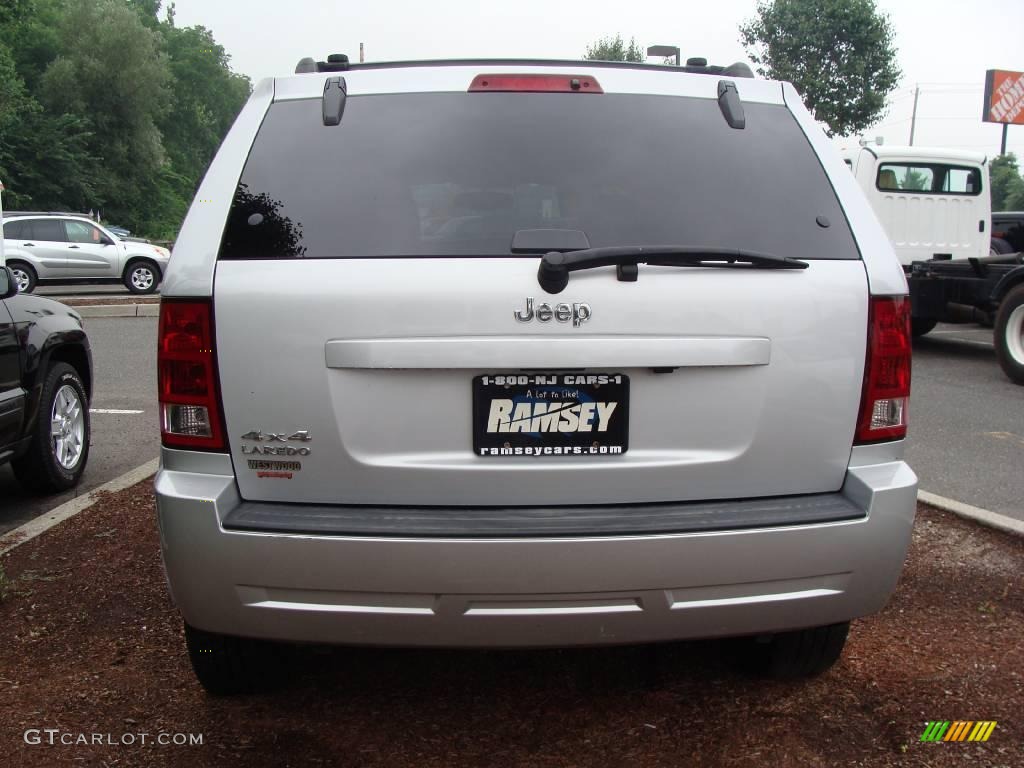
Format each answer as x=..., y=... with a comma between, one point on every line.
x=189, y=403
x=536, y=83
x=886, y=393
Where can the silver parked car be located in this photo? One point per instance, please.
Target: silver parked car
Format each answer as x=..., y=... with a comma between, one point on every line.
x=530, y=354
x=61, y=249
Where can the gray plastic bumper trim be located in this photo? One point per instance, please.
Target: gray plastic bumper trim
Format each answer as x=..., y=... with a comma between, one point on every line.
x=477, y=522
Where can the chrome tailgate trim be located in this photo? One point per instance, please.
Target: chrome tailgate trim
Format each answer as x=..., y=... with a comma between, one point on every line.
x=505, y=352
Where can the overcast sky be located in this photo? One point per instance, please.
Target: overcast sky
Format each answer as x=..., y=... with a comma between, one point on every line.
x=945, y=45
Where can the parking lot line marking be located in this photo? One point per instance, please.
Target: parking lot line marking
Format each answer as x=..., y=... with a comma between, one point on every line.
x=113, y=410
x=59, y=514
x=1005, y=436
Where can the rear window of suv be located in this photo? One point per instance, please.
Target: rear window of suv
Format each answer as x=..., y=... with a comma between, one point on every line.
x=49, y=230
x=457, y=174
x=16, y=230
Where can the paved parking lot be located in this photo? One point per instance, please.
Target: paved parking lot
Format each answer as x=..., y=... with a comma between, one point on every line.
x=966, y=421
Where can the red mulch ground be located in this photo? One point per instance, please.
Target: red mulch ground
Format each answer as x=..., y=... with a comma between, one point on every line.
x=90, y=643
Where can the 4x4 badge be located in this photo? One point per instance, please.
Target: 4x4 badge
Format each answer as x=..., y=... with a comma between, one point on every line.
x=259, y=436
x=301, y=436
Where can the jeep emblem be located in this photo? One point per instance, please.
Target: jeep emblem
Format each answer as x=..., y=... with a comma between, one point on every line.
x=579, y=312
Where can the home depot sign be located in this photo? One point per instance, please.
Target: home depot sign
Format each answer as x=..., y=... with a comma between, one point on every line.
x=1004, y=97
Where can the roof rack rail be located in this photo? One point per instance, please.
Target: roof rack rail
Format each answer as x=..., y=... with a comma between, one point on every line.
x=8, y=213
x=338, y=62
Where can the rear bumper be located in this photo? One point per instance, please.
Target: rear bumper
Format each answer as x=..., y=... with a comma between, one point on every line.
x=504, y=591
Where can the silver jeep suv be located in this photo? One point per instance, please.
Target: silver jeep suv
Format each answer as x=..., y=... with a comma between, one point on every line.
x=510, y=353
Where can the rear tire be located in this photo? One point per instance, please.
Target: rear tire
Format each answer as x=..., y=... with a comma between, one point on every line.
x=24, y=276
x=141, y=276
x=227, y=665
x=919, y=326
x=1009, y=335
x=799, y=654
x=59, y=450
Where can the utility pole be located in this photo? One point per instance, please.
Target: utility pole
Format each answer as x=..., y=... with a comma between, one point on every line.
x=913, y=115
x=360, y=53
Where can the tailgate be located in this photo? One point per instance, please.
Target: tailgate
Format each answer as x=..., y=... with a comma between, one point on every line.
x=740, y=383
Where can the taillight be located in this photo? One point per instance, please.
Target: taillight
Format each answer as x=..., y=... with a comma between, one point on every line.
x=886, y=394
x=536, y=83
x=186, y=368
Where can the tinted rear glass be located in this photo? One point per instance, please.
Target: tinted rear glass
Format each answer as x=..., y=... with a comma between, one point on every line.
x=50, y=230
x=458, y=174
x=15, y=229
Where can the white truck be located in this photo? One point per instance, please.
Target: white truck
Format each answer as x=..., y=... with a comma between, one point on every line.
x=936, y=207
x=933, y=203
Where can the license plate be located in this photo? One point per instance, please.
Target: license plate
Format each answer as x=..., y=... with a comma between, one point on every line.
x=550, y=414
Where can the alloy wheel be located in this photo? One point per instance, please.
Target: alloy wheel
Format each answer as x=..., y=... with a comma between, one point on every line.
x=21, y=279
x=142, y=278
x=67, y=427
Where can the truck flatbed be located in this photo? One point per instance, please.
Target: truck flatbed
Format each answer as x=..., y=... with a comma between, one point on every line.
x=987, y=290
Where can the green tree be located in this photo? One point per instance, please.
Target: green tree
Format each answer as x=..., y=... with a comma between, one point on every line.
x=112, y=73
x=614, y=49
x=1015, y=200
x=44, y=159
x=29, y=29
x=149, y=11
x=46, y=163
x=13, y=99
x=1006, y=183
x=104, y=105
x=207, y=98
x=840, y=55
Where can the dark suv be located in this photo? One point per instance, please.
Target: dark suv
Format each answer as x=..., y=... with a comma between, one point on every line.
x=1008, y=231
x=45, y=385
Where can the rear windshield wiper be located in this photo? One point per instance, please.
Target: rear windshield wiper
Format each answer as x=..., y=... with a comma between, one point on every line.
x=553, y=274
